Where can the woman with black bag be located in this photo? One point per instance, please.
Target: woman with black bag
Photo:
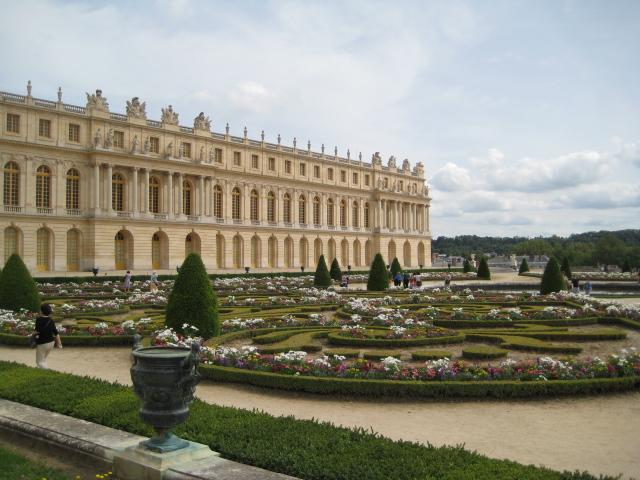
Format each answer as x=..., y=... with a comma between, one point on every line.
x=46, y=336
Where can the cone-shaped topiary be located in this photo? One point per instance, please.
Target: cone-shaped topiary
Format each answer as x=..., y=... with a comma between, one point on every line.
x=335, y=272
x=192, y=300
x=466, y=266
x=17, y=288
x=626, y=266
x=395, y=267
x=378, y=278
x=552, y=279
x=483, y=269
x=566, y=268
x=524, y=266
x=322, y=278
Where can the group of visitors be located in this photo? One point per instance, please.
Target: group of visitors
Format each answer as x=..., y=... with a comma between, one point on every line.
x=573, y=285
x=407, y=281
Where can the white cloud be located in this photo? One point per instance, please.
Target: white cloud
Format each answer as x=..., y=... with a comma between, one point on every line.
x=251, y=96
x=451, y=178
x=603, y=196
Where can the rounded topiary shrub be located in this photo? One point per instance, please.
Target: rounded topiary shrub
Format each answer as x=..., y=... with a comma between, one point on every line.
x=322, y=278
x=483, y=269
x=466, y=266
x=524, y=266
x=192, y=300
x=17, y=288
x=335, y=272
x=552, y=279
x=378, y=278
x=395, y=267
x=566, y=267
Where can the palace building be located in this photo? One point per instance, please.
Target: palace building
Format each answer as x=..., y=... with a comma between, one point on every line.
x=84, y=187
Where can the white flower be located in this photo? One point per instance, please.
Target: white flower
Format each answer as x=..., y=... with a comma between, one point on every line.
x=391, y=364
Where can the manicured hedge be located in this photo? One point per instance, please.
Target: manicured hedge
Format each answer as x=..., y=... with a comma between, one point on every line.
x=336, y=339
x=380, y=354
x=405, y=388
x=483, y=352
x=301, y=448
x=430, y=354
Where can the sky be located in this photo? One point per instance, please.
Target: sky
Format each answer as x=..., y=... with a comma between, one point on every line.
x=525, y=114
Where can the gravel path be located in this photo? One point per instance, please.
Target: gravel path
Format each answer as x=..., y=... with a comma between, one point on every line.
x=598, y=434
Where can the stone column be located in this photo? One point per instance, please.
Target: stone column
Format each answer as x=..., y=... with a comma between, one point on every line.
x=134, y=192
x=179, y=203
x=109, y=180
x=201, y=204
x=427, y=218
x=169, y=202
x=145, y=195
x=96, y=186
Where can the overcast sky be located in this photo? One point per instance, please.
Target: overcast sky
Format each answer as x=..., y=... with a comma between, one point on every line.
x=526, y=115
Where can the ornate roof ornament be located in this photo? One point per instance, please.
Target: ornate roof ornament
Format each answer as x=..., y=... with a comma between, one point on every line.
x=376, y=159
x=97, y=101
x=405, y=164
x=392, y=162
x=169, y=117
x=202, y=123
x=135, y=109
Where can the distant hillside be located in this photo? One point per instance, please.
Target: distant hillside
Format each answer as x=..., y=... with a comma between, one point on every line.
x=590, y=248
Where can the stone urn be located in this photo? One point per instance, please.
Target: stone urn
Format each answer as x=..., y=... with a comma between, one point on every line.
x=165, y=379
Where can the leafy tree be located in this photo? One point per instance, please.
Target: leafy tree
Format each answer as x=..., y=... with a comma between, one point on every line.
x=626, y=267
x=483, y=269
x=335, y=271
x=322, y=278
x=395, y=267
x=378, y=278
x=524, y=266
x=466, y=266
x=552, y=278
x=566, y=268
x=610, y=250
x=192, y=300
x=17, y=288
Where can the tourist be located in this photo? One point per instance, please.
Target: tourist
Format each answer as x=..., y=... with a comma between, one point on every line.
x=405, y=280
x=345, y=281
x=127, y=281
x=397, y=279
x=412, y=282
x=47, y=336
x=588, y=287
x=153, y=282
x=418, y=279
x=447, y=280
x=575, y=285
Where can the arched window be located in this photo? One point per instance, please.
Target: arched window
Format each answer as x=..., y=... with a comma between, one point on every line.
x=304, y=252
x=156, y=254
x=73, y=251
x=73, y=189
x=302, y=209
x=237, y=252
x=11, y=192
x=316, y=211
x=406, y=254
x=271, y=207
x=317, y=250
x=235, y=204
x=254, y=206
x=120, y=252
x=154, y=195
x=10, y=242
x=343, y=213
x=355, y=214
x=366, y=215
x=368, y=252
x=357, y=256
x=344, y=253
x=255, y=251
x=186, y=197
x=217, y=201
x=117, y=192
x=330, y=213
x=220, y=255
x=43, y=187
x=288, y=252
x=43, y=249
x=286, y=208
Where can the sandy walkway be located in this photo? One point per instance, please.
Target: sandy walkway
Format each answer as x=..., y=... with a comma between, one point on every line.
x=598, y=434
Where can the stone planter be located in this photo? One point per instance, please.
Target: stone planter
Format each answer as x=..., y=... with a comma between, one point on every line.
x=165, y=379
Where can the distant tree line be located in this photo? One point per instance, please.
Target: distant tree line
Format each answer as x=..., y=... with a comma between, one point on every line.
x=620, y=247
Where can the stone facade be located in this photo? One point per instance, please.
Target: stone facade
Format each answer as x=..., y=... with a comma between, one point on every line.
x=84, y=187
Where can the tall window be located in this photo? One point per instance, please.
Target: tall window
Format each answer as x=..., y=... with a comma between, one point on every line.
x=43, y=187
x=235, y=204
x=302, y=209
x=186, y=149
x=316, y=211
x=355, y=177
x=272, y=164
x=286, y=208
x=156, y=253
x=303, y=169
x=366, y=180
x=73, y=189
x=330, y=173
x=287, y=166
x=117, y=192
x=43, y=249
x=154, y=144
x=44, y=128
x=154, y=195
x=366, y=215
x=218, y=152
x=217, y=201
x=118, y=139
x=343, y=176
x=254, y=206
x=74, y=132
x=254, y=161
x=11, y=193
x=73, y=247
x=343, y=213
x=316, y=171
x=13, y=123
x=186, y=197
x=355, y=214
x=330, y=213
x=10, y=242
x=237, y=159
x=271, y=207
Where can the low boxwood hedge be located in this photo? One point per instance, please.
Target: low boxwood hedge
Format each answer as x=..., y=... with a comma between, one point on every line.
x=302, y=448
x=484, y=352
x=336, y=339
x=342, y=352
x=380, y=354
x=430, y=354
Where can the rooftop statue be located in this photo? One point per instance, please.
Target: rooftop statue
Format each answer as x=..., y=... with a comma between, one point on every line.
x=202, y=123
x=405, y=164
x=135, y=109
x=392, y=162
x=97, y=101
x=169, y=117
x=376, y=159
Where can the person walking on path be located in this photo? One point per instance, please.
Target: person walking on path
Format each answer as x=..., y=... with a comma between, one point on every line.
x=153, y=282
x=588, y=287
x=127, y=281
x=47, y=336
x=405, y=280
x=397, y=280
x=447, y=280
x=418, y=279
